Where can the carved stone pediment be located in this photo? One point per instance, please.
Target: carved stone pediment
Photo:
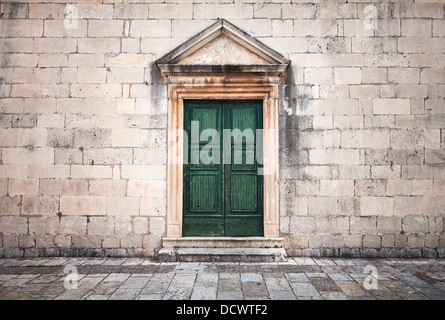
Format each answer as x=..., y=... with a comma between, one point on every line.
x=222, y=47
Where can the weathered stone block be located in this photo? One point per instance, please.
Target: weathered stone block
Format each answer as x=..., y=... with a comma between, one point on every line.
x=73, y=225
x=333, y=241
x=415, y=224
x=379, y=206
x=302, y=224
x=363, y=224
x=122, y=206
x=122, y=225
x=13, y=225
x=100, y=226
x=82, y=205
x=134, y=241
x=389, y=224
x=86, y=241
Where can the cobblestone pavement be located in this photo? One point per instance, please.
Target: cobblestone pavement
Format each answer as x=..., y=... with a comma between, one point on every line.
x=296, y=279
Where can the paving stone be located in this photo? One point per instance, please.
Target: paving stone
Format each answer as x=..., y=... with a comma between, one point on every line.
x=114, y=262
x=72, y=294
x=124, y=294
x=229, y=285
x=333, y=295
x=282, y=295
x=229, y=295
x=277, y=284
x=96, y=297
x=251, y=277
x=204, y=293
x=296, y=277
x=136, y=281
x=254, y=289
x=183, y=281
x=304, y=290
x=149, y=296
x=177, y=294
x=340, y=277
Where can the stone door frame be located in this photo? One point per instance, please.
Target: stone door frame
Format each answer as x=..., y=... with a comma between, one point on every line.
x=229, y=87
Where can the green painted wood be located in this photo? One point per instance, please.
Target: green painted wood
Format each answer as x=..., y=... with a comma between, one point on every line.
x=222, y=197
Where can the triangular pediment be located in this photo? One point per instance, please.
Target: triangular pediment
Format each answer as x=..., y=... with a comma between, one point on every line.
x=222, y=47
x=223, y=50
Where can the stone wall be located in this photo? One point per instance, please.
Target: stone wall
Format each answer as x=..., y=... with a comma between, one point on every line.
x=83, y=123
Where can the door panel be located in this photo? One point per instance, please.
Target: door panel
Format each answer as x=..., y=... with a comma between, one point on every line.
x=222, y=193
x=243, y=188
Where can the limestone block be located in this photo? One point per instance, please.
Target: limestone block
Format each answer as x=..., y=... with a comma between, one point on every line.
x=372, y=241
x=96, y=90
x=46, y=11
x=86, y=60
x=416, y=240
x=40, y=205
x=322, y=206
x=406, y=139
x=94, y=11
x=98, y=45
x=108, y=156
x=57, y=29
x=105, y=28
x=157, y=229
x=363, y=224
x=83, y=205
x=101, y=226
x=333, y=241
x=62, y=241
x=122, y=225
x=223, y=11
x=91, y=75
x=140, y=225
x=171, y=11
x=73, y=225
x=135, y=172
x=151, y=28
x=340, y=188
x=438, y=28
x=28, y=156
x=10, y=205
x=379, y=206
x=153, y=206
x=389, y=224
x=86, y=241
x=318, y=76
x=415, y=224
x=391, y=106
x=17, y=28
x=125, y=137
x=298, y=11
x=44, y=241
x=119, y=206
x=27, y=187
x=13, y=225
x=130, y=11
x=334, y=156
x=108, y=187
x=403, y=75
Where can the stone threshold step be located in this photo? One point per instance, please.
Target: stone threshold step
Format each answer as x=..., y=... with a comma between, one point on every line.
x=223, y=242
x=222, y=255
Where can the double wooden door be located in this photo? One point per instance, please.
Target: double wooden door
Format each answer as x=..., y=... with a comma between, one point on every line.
x=223, y=185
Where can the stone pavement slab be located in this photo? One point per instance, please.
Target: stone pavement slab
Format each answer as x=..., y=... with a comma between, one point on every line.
x=299, y=278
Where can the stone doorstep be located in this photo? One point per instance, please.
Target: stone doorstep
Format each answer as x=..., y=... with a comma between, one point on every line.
x=223, y=242
x=222, y=255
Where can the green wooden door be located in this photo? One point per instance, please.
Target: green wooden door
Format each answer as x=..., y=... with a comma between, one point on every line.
x=222, y=189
